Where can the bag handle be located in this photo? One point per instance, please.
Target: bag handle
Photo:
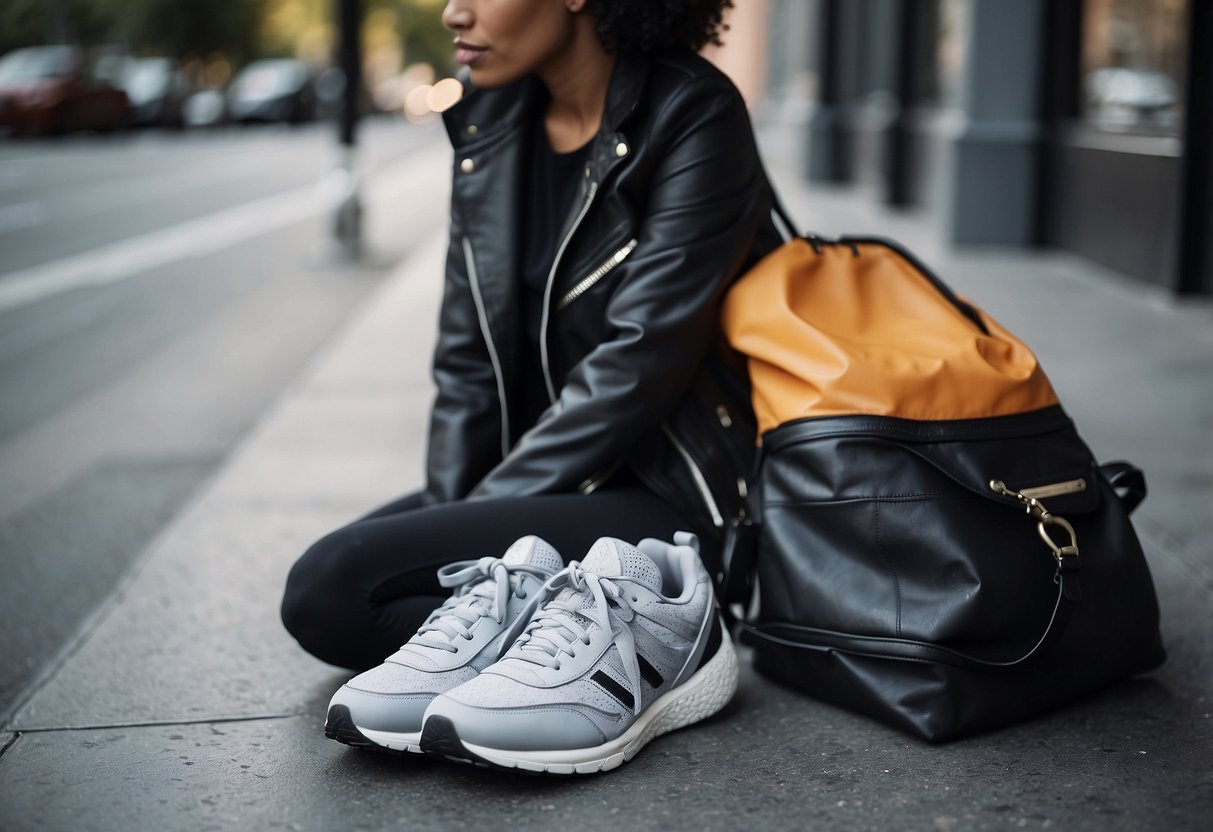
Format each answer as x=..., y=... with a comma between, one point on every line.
x=1126, y=477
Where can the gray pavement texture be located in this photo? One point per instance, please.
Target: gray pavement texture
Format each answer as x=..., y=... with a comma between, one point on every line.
x=184, y=705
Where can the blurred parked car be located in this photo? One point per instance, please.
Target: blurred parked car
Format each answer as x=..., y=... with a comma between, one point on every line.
x=273, y=90
x=157, y=90
x=204, y=108
x=55, y=89
x=1119, y=96
x=330, y=95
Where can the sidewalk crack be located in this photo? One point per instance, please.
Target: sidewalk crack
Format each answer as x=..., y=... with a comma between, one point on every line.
x=10, y=742
x=158, y=723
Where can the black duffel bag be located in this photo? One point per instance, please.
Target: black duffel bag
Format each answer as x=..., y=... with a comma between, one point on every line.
x=943, y=575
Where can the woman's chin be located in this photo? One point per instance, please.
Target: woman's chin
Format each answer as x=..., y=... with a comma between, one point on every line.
x=487, y=78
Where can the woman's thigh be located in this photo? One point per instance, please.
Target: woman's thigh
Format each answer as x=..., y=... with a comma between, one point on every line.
x=359, y=592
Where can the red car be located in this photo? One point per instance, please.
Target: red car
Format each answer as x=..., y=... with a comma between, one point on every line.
x=55, y=89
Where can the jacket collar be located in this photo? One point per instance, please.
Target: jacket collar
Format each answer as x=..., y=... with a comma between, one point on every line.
x=627, y=85
x=481, y=113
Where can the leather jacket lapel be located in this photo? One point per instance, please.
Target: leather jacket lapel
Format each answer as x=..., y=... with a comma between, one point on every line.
x=490, y=133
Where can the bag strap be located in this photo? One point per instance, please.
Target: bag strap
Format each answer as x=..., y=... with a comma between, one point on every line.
x=740, y=552
x=910, y=650
x=781, y=211
x=817, y=241
x=1069, y=594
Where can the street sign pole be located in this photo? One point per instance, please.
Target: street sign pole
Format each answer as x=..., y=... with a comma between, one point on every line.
x=347, y=209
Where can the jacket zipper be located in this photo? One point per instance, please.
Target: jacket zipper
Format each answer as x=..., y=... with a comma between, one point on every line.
x=547, y=294
x=592, y=484
x=474, y=282
x=701, y=482
x=586, y=283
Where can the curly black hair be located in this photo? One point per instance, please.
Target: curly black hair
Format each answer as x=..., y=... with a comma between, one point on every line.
x=653, y=25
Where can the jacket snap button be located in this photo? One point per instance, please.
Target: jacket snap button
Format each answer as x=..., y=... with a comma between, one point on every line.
x=473, y=129
x=467, y=166
x=621, y=150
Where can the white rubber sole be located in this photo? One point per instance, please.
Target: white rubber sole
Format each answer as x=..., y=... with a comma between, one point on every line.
x=394, y=742
x=705, y=693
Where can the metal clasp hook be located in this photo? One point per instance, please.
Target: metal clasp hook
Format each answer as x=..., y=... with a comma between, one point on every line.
x=1044, y=519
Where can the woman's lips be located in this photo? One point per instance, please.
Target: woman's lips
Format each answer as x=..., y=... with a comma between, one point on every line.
x=467, y=53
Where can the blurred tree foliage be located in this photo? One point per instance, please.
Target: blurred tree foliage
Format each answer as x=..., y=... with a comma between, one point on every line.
x=422, y=34
x=240, y=29
x=162, y=27
x=184, y=27
x=33, y=22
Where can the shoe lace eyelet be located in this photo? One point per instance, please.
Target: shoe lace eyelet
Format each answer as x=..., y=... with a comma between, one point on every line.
x=522, y=594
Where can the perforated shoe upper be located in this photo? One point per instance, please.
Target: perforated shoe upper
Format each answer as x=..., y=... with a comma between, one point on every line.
x=459, y=639
x=617, y=631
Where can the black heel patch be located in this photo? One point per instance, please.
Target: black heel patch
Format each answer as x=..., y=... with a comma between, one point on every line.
x=715, y=636
x=340, y=726
x=440, y=739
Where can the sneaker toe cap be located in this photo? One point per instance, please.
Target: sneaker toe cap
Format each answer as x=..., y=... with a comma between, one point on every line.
x=396, y=713
x=519, y=729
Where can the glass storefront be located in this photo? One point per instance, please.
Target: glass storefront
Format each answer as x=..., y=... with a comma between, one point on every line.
x=1133, y=64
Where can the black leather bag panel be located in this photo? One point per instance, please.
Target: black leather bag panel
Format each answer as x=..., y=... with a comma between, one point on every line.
x=893, y=580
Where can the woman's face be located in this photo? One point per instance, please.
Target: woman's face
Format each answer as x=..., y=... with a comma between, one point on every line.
x=503, y=40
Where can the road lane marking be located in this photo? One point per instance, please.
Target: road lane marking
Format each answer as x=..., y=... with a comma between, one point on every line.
x=21, y=216
x=119, y=261
x=116, y=262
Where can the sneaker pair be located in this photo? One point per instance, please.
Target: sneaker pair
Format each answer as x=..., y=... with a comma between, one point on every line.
x=559, y=670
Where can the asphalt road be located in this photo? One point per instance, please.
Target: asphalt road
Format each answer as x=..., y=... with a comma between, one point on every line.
x=157, y=292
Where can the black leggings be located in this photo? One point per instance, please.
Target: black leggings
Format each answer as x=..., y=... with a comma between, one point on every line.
x=359, y=593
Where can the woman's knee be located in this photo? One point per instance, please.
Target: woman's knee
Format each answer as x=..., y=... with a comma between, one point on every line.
x=320, y=594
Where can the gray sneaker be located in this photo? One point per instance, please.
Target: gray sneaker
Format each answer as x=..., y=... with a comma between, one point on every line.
x=623, y=647
x=383, y=707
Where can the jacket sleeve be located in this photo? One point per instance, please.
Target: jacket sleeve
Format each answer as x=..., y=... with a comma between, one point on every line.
x=465, y=437
x=694, y=233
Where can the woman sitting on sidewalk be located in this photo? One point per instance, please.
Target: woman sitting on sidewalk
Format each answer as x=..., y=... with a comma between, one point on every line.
x=607, y=191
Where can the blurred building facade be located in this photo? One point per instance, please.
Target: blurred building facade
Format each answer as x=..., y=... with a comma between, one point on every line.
x=1081, y=124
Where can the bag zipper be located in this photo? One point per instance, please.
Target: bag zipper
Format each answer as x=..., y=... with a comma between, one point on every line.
x=586, y=283
x=1055, y=489
x=701, y=482
x=482, y=317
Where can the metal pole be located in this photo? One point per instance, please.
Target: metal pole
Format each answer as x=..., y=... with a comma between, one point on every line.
x=347, y=216
x=899, y=137
x=823, y=162
x=1195, y=273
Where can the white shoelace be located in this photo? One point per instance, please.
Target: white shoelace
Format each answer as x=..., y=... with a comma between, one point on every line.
x=557, y=627
x=484, y=590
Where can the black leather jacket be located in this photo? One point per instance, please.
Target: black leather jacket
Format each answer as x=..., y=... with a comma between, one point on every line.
x=674, y=206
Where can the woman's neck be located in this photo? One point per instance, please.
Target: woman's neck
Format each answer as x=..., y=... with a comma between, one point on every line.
x=577, y=79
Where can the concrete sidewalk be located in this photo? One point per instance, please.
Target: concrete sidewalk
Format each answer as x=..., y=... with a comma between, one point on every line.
x=186, y=706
